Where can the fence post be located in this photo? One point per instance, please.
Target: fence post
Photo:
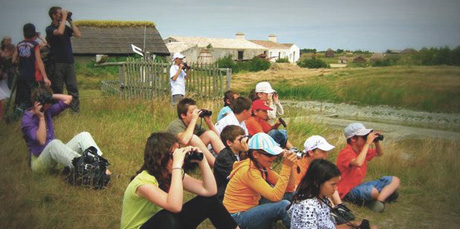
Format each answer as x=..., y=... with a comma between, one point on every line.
x=229, y=78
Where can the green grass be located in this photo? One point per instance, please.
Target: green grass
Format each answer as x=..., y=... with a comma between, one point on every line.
x=434, y=89
x=429, y=195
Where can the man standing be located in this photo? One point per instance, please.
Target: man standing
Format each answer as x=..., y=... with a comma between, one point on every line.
x=58, y=34
x=178, y=73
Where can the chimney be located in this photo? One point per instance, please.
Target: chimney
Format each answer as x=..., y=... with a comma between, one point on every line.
x=272, y=37
x=239, y=36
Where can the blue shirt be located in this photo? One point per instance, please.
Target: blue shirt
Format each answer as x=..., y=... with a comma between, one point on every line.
x=61, y=47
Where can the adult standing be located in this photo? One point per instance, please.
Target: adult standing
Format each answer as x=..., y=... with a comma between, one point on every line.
x=58, y=34
x=178, y=73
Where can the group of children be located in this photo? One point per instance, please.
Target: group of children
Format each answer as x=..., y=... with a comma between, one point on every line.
x=243, y=190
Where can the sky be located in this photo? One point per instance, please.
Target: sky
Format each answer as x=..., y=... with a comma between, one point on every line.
x=374, y=25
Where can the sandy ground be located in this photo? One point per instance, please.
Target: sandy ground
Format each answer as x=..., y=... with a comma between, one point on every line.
x=395, y=123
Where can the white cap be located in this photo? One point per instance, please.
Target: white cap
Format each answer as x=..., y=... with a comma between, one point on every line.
x=263, y=141
x=317, y=142
x=178, y=55
x=356, y=129
x=264, y=87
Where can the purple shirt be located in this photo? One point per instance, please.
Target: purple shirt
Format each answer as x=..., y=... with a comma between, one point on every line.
x=29, y=127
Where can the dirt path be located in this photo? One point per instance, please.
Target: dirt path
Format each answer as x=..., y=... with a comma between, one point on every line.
x=395, y=123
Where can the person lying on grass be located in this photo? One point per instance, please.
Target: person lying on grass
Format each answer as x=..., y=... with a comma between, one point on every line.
x=311, y=207
x=154, y=197
x=352, y=162
x=45, y=150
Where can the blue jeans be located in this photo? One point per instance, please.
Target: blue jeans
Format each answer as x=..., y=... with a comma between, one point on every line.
x=262, y=216
x=363, y=191
x=280, y=136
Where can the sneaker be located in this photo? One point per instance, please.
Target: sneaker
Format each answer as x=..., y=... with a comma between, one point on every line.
x=393, y=197
x=342, y=214
x=376, y=206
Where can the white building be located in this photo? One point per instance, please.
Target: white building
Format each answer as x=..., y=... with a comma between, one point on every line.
x=278, y=51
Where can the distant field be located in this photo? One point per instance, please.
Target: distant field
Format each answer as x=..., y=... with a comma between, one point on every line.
x=434, y=89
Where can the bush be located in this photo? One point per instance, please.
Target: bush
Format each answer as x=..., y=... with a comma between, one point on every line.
x=313, y=63
x=254, y=65
x=282, y=60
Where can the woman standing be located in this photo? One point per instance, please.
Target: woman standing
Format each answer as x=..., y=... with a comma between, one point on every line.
x=154, y=198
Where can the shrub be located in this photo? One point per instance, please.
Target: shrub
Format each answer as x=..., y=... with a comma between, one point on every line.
x=282, y=60
x=253, y=65
x=313, y=63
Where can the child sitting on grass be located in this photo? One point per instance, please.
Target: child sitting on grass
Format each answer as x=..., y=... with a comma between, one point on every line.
x=310, y=205
x=236, y=143
x=352, y=162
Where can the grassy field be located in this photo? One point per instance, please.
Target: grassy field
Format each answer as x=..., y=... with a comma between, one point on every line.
x=433, y=89
x=428, y=168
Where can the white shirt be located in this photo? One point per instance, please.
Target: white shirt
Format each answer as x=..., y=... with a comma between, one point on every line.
x=311, y=213
x=178, y=86
x=230, y=119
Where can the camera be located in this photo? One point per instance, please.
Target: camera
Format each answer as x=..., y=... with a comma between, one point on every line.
x=69, y=16
x=44, y=99
x=282, y=122
x=193, y=155
x=186, y=67
x=299, y=153
x=378, y=138
x=205, y=112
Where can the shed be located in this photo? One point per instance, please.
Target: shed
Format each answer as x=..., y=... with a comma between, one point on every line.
x=342, y=60
x=329, y=53
x=116, y=37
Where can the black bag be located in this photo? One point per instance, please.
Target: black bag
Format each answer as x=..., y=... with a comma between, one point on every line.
x=89, y=170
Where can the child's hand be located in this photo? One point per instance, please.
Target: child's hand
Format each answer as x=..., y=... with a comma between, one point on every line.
x=371, y=137
x=289, y=158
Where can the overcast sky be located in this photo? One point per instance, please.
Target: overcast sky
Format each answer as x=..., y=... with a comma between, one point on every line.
x=375, y=25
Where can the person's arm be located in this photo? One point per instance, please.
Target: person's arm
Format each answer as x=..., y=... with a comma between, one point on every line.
x=359, y=161
x=187, y=73
x=172, y=200
x=67, y=99
x=278, y=107
x=76, y=31
x=15, y=58
x=177, y=74
x=61, y=28
x=276, y=125
x=41, y=66
x=41, y=131
x=205, y=187
x=208, y=121
x=185, y=137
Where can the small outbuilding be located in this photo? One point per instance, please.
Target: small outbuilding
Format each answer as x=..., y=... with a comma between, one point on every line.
x=329, y=53
x=116, y=37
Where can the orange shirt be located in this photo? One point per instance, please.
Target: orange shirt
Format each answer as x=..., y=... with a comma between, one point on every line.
x=257, y=125
x=351, y=176
x=301, y=168
x=248, y=184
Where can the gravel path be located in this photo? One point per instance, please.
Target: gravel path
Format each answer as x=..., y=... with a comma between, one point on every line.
x=394, y=122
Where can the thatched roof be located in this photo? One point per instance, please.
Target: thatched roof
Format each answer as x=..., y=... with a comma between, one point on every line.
x=270, y=44
x=116, y=37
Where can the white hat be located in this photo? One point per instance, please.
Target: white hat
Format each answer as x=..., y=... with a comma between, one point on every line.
x=356, y=129
x=178, y=55
x=317, y=142
x=264, y=87
x=263, y=141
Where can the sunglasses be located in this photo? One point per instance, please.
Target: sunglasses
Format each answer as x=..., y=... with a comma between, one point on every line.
x=240, y=139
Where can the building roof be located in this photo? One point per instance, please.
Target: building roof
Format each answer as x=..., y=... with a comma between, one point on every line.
x=179, y=46
x=116, y=38
x=271, y=44
x=223, y=43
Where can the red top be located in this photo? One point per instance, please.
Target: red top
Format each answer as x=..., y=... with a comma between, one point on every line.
x=352, y=176
x=257, y=125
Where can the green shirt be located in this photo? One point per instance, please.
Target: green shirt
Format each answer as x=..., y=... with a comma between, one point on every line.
x=137, y=210
x=177, y=126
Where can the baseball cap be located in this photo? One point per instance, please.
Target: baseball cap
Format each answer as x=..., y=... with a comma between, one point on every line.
x=29, y=30
x=178, y=55
x=264, y=87
x=356, y=129
x=263, y=141
x=317, y=142
x=260, y=105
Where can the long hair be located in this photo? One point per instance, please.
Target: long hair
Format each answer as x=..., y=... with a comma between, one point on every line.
x=318, y=172
x=156, y=157
x=229, y=95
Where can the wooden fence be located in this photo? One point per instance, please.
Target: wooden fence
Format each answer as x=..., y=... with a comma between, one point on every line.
x=147, y=79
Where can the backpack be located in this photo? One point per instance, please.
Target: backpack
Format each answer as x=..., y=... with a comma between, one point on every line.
x=89, y=170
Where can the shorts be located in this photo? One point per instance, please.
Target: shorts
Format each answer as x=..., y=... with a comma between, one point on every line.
x=364, y=190
x=280, y=137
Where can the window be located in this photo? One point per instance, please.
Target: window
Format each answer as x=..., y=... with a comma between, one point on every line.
x=240, y=55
